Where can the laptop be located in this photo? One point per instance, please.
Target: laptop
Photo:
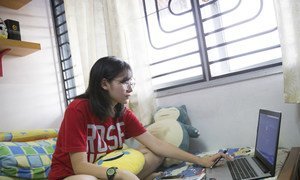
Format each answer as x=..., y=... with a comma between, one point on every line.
x=263, y=163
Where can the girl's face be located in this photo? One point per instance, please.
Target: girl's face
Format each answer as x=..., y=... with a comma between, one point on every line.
x=119, y=88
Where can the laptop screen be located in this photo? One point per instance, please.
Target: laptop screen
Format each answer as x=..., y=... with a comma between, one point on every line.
x=267, y=136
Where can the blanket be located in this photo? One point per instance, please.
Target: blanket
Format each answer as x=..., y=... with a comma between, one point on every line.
x=26, y=154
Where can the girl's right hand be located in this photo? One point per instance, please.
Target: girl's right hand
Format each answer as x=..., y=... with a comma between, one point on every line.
x=208, y=161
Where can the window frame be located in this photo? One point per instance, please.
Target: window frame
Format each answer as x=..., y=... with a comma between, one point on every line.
x=206, y=80
x=64, y=51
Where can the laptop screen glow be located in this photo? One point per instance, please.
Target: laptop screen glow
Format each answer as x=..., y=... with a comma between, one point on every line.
x=267, y=137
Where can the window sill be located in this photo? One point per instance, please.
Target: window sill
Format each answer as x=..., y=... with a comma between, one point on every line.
x=220, y=82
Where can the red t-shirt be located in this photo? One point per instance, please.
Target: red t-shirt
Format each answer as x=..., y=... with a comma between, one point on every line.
x=81, y=131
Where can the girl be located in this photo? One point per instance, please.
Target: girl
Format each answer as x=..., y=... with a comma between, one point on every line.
x=97, y=122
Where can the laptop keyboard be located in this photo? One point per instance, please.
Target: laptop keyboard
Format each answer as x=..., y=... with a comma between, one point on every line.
x=241, y=169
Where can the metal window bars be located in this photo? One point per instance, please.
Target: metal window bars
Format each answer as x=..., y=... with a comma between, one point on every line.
x=194, y=41
x=63, y=45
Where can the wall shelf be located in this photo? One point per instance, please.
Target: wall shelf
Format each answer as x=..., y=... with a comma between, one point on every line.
x=16, y=48
x=19, y=48
x=14, y=4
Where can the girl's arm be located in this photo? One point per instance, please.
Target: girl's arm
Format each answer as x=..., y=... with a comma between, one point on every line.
x=165, y=149
x=80, y=165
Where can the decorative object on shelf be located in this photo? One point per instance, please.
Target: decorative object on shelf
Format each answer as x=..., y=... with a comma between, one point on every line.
x=13, y=28
x=3, y=30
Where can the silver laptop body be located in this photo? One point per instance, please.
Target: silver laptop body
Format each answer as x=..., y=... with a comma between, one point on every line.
x=264, y=160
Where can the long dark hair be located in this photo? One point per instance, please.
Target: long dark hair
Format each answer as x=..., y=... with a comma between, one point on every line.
x=100, y=101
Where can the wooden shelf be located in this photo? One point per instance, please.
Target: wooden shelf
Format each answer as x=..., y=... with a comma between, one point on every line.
x=15, y=47
x=19, y=48
x=14, y=4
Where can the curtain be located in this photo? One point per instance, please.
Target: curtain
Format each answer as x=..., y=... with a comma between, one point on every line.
x=85, y=29
x=288, y=20
x=99, y=28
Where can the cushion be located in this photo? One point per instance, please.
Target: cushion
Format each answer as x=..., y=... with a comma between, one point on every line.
x=172, y=124
x=28, y=135
x=163, y=114
x=183, y=118
x=26, y=160
x=167, y=130
x=127, y=159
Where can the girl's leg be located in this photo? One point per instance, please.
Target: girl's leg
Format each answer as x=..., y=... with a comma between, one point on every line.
x=152, y=162
x=81, y=177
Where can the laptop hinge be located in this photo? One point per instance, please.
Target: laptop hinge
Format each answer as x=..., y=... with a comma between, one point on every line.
x=261, y=165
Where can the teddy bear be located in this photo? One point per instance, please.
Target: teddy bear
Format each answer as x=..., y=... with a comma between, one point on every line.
x=3, y=30
x=171, y=124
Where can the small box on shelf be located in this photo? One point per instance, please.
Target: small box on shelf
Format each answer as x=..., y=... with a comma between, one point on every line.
x=13, y=29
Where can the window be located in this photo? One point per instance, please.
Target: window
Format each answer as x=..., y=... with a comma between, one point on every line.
x=202, y=41
x=62, y=40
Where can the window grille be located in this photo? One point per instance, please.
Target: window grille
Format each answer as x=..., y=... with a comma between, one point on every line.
x=197, y=41
x=63, y=45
